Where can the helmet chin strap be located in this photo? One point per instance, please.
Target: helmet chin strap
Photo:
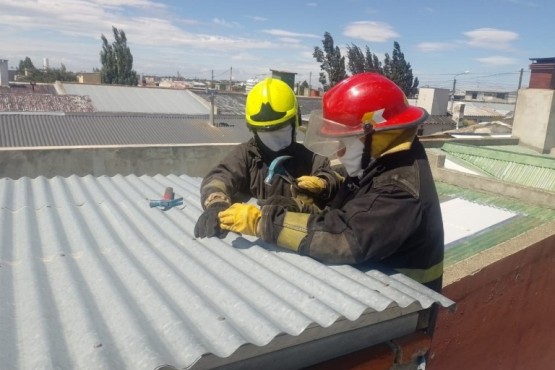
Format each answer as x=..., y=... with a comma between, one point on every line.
x=367, y=154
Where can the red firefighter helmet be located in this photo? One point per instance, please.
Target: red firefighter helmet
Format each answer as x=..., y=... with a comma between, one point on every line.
x=365, y=98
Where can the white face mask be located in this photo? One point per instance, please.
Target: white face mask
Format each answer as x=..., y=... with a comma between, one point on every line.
x=278, y=139
x=351, y=160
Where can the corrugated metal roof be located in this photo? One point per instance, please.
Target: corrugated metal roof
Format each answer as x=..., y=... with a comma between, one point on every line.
x=84, y=129
x=482, y=110
x=109, y=98
x=523, y=169
x=92, y=277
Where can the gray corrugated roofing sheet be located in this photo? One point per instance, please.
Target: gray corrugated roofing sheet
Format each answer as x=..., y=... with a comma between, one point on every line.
x=234, y=103
x=84, y=129
x=109, y=98
x=91, y=277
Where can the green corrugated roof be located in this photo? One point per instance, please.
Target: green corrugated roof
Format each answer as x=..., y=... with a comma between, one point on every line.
x=536, y=171
x=529, y=217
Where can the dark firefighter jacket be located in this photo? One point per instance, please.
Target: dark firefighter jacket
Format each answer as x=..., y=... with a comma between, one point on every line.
x=241, y=174
x=391, y=215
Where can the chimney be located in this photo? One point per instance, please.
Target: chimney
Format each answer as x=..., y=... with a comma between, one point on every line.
x=435, y=101
x=542, y=74
x=534, y=117
x=4, y=76
x=458, y=114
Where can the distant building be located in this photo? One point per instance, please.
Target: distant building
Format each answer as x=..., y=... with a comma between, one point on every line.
x=490, y=96
x=287, y=77
x=250, y=84
x=4, y=76
x=92, y=78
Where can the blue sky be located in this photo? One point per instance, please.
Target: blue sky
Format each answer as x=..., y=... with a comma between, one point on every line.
x=492, y=39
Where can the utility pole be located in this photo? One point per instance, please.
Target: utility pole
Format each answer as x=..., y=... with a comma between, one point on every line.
x=520, y=78
x=212, y=82
x=453, y=92
x=310, y=84
x=230, y=78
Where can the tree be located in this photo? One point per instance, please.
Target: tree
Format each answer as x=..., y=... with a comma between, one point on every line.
x=25, y=64
x=397, y=69
x=47, y=76
x=373, y=63
x=117, y=61
x=331, y=62
x=362, y=62
x=357, y=62
x=394, y=67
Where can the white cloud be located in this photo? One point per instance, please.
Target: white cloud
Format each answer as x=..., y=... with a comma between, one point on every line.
x=257, y=18
x=223, y=22
x=283, y=33
x=370, y=31
x=244, y=57
x=491, y=38
x=435, y=46
x=289, y=40
x=497, y=61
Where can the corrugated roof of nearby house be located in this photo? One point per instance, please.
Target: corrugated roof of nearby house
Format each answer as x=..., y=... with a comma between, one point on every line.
x=92, y=277
x=44, y=103
x=234, y=103
x=110, y=98
x=478, y=109
x=98, y=129
x=440, y=120
x=508, y=165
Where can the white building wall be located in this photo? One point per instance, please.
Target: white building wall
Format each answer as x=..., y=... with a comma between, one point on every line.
x=534, y=120
x=4, y=76
x=435, y=101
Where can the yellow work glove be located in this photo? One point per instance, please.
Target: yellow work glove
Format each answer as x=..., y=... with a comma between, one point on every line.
x=313, y=184
x=240, y=218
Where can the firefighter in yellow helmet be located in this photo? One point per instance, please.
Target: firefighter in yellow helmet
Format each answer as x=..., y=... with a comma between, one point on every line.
x=272, y=114
x=387, y=210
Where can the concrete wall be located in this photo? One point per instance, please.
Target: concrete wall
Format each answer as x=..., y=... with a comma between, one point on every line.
x=435, y=101
x=151, y=160
x=505, y=308
x=534, y=120
x=192, y=160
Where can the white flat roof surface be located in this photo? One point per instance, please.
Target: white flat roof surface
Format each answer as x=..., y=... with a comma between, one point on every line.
x=462, y=218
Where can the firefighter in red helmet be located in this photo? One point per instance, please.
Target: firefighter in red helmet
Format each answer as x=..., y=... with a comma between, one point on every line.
x=387, y=210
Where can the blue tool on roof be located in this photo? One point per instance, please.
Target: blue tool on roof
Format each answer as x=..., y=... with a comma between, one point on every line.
x=168, y=201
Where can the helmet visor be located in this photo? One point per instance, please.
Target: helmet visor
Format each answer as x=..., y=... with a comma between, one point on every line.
x=326, y=137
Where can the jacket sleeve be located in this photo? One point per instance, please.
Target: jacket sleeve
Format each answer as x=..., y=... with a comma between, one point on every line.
x=225, y=180
x=370, y=227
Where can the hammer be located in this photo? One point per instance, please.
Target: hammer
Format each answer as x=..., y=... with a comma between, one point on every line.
x=168, y=201
x=276, y=169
